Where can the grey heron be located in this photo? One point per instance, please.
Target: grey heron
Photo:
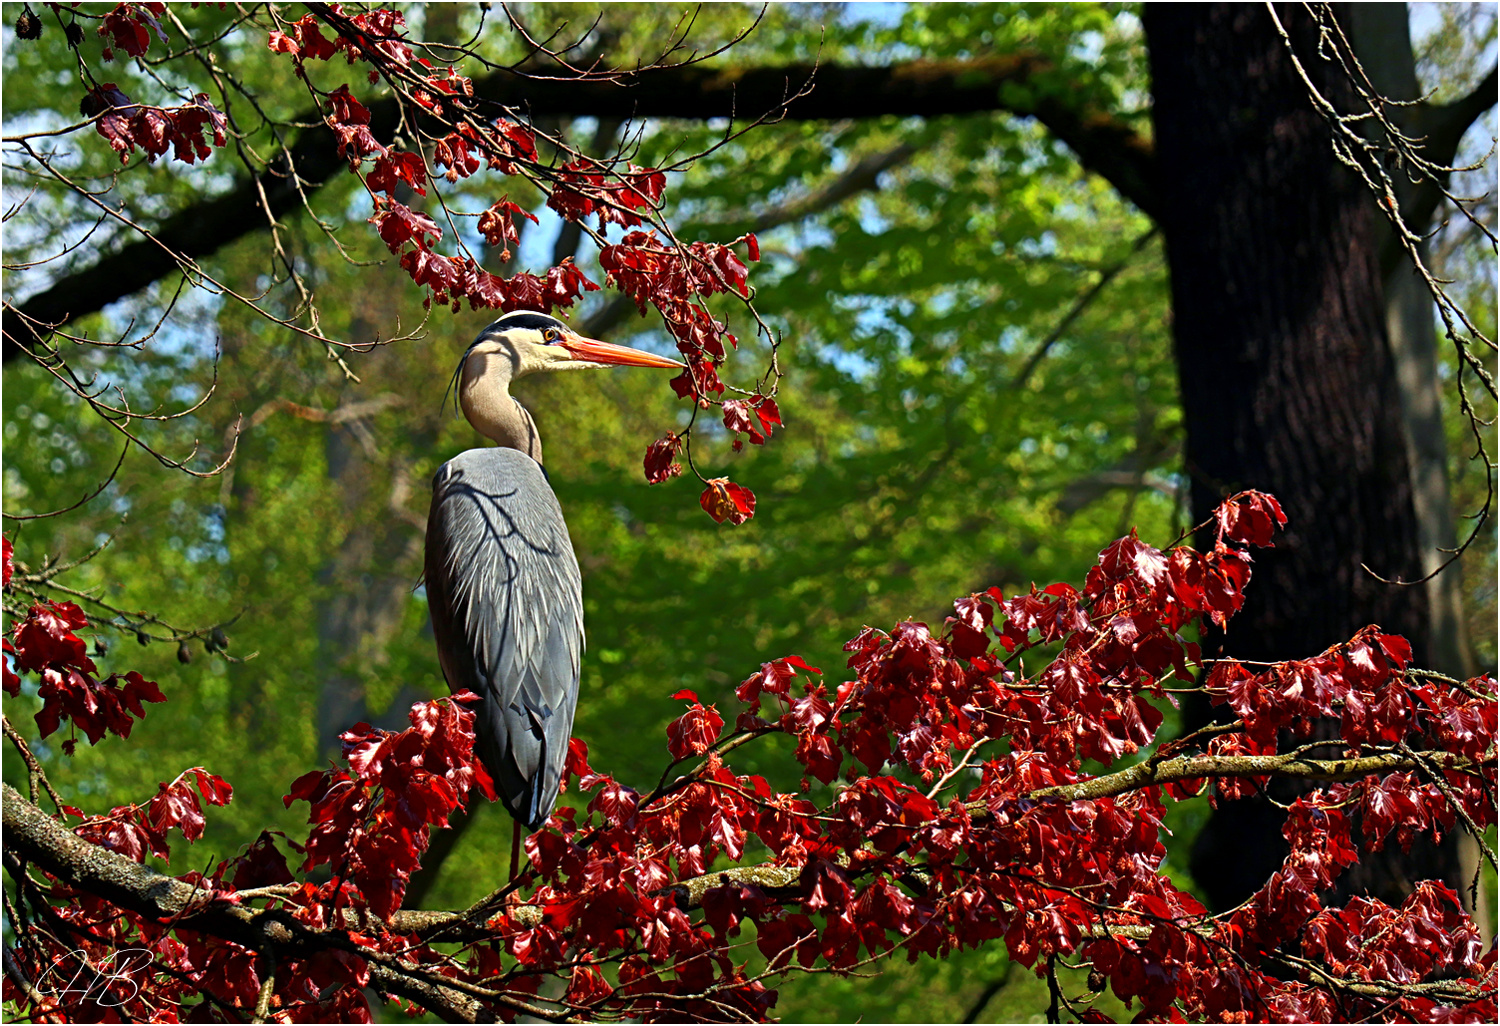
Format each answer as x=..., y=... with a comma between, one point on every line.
x=503, y=586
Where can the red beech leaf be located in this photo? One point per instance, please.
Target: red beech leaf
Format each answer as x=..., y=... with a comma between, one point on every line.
x=659, y=459
x=725, y=500
x=214, y=789
x=1250, y=518
x=176, y=806
x=695, y=731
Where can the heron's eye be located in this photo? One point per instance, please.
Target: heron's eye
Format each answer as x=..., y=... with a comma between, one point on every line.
x=551, y=335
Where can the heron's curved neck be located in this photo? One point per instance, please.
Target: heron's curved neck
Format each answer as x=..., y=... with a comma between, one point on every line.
x=484, y=395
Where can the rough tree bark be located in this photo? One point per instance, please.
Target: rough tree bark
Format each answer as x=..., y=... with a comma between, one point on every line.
x=1288, y=384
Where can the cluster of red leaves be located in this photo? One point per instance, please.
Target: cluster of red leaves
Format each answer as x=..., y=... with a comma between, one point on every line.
x=660, y=455
x=45, y=643
x=1427, y=937
x=410, y=234
x=605, y=896
x=498, y=225
x=371, y=823
x=136, y=969
x=191, y=131
x=375, y=32
x=919, y=699
x=737, y=418
x=1358, y=683
x=499, y=145
x=116, y=966
x=887, y=863
x=651, y=271
x=129, y=27
x=584, y=187
x=135, y=830
x=674, y=279
x=724, y=500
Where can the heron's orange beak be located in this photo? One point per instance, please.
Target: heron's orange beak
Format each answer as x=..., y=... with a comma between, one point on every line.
x=607, y=352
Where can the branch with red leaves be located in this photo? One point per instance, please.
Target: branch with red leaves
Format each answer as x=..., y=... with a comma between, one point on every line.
x=437, y=107
x=637, y=903
x=1106, y=144
x=434, y=110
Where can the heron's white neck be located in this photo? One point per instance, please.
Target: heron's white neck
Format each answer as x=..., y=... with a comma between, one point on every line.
x=484, y=396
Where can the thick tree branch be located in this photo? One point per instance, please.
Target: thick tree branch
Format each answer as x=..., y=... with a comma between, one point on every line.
x=863, y=176
x=197, y=231
x=45, y=843
x=1450, y=121
x=1129, y=472
x=1105, y=144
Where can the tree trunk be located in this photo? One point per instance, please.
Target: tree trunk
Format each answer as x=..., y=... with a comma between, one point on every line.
x=1288, y=385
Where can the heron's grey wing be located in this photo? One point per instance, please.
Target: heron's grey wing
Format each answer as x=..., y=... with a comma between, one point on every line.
x=507, y=611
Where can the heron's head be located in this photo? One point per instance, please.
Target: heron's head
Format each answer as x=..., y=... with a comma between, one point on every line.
x=524, y=342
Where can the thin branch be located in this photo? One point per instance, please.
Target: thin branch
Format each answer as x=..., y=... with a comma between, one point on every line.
x=90, y=495
x=36, y=775
x=862, y=176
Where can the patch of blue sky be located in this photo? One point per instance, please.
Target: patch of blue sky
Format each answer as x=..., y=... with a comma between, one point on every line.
x=44, y=120
x=852, y=364
x=942, y=302
x=213, y=547
x=1012, y=338
x=46, y=241
x=1475, y=157
x=189, y=332
x=1427, y=18
x=870, y=217
x=872, y=316
x=534, y=254
x=1044, y=245
x=360, y=206
x=884, y=15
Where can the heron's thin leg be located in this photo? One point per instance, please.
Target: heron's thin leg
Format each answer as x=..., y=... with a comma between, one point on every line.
x=515, y=851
